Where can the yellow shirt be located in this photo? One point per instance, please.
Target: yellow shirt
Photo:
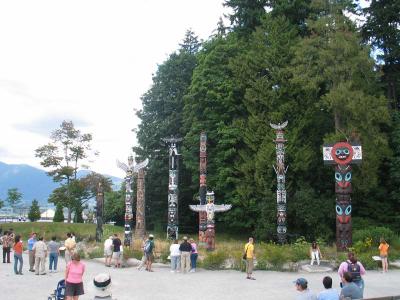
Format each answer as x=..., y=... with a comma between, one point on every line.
x=70, y=244
x=383, y=249
x=249, y=251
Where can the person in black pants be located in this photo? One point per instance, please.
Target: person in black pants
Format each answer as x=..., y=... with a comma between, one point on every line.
x=6, y=241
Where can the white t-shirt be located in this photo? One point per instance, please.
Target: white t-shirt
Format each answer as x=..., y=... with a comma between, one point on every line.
x=306, y=295
x=108, y=244
x=174, y=249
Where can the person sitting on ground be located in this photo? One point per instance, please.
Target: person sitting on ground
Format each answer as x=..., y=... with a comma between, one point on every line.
x=148, y=250
x=305, y=292
x=350, y=290
x=355, y=268
x=108, y=251
x=116, y=251
x=329, y=293
x=315, y=253
x=102, y=283
x=383, y=253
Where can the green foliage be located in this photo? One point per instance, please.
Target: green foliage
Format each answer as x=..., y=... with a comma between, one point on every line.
x=34, y=211
x=96, y=252
x=14, y=197
x=214, y=260
x=374, y=233
x=114, y=206
x=1, y=203
x=58, y=214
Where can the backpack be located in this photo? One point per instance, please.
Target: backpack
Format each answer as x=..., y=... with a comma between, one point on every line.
x=148, y=248
x=354, y=270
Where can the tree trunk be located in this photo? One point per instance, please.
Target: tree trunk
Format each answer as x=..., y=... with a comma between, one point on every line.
x=69, y=215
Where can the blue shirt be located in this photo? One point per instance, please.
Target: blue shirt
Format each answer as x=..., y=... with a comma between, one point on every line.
x=329, y=294
x=31, y=242
x=351, y=290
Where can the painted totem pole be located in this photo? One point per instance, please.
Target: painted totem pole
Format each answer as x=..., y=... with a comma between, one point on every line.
x=173, y=191
x=280, y=176
x=140, y=228
x=203, y=187
x=209, y=210
x=99, y=212
x=341, y=155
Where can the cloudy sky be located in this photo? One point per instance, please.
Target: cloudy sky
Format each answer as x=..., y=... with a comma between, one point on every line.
x=88, y=61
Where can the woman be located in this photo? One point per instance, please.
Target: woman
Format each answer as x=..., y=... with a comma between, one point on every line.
x=18, y=249
x=355, y=268
x=383, y=253
x=315, y=253
x=193, y=256
x=73, y=278
x=54, y=251
x=175, y=255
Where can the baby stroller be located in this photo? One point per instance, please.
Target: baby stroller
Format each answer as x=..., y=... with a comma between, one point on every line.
x=59, y=292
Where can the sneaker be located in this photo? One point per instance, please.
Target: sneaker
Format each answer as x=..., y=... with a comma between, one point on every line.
x=51, y=271
x=43, y=274
x=192, y=271
x=20, y=273
x=172, y=271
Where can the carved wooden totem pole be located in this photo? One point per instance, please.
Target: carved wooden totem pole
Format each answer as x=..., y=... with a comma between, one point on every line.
x=203, y=187
x=280, y=171
x=99, y=212
x=140, y=228
x=173, y=191
x=341, y=155
x=210, y=209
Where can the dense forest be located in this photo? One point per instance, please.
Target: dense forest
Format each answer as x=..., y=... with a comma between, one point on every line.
x=305, y=61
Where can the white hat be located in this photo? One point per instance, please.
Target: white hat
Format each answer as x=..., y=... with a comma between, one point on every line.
x=102, y=282
x=151, y=236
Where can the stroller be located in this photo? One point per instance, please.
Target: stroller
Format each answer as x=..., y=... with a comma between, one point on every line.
x=59, y=292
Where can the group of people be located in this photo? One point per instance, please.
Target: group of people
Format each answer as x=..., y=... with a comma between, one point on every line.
x=113, y=251
x=183, y=256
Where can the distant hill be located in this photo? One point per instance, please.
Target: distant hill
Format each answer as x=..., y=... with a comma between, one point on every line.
x=32, y=182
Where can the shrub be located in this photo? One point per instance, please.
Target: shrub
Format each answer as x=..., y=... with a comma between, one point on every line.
x=374, y=233
x=96, y=253
x=214, y=260
x=299, y=250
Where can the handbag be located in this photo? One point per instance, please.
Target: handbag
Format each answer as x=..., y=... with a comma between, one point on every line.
x=245, y=253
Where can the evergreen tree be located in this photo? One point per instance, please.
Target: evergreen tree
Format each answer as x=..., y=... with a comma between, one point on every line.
x=34, y=211
x=59, y=214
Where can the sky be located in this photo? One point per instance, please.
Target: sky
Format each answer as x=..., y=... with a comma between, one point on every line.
x=87, y=61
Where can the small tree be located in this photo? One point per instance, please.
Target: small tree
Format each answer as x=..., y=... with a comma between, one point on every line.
x=59, y=214
x=1, y=203
x=13, y=197
x=34, y=211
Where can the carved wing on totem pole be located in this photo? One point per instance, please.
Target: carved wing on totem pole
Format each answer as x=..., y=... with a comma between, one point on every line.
x=122, y=166
x=198, y=208
x=279, y=125
x=141, y=165
x=222, y=207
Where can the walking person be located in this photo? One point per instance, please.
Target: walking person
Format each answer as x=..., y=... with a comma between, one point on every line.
x=193, y=256
x=54, y=251
x=31, y=242
x=6, y=241
x=73, y=278
x=18, y=249
x=383, y=253
x=40, y=250
x=186, y=250
x=148, y=250
x=116, y=251
x=315, y=253
x=70, y=246
x=108, y=251
x=249, y=256
x=175, y=255
x=143, y=260
x=355, y=269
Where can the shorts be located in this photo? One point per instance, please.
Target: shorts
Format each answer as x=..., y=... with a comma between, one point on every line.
x=116, y=255
x=383, y=256
x=108, y=252
x=249, y=265
x=150, y=257
x=74, y=289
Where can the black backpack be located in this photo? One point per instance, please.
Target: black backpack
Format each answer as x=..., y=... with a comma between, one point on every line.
x=354, y=270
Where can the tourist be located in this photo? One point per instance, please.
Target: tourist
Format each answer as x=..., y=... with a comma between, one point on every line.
x=305, y=293
x=148, y=250
x=350, y=290
x=328, y=293
x=355, y=268
x=108, y=251
x=383, y=253
x=31, y=243
x=116, y=251
x=6, y=241
x=193, y=255
x=18, y=249
x=175, y=256
x=73, y=278
x=70, y=246
x=143, y=260
x=54, y=251
x=315, y=253
x=40, y=250
x=186, y=250
x=102, y=283
x=249, y=256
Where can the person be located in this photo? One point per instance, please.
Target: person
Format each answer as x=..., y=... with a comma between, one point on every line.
x=18, y=249
x=383, y=253
x=31, y=243
x=143, y=260
x=315, y=253
x=305, y=293
x=185, y=248
x=54, y=251
x=116, y=251
x=193, y=255
x=329, y=293
x=70, y=246
x=175, y=255
x=350, y=290
x=40, y=251
x=148, y=250
x=249, y=256
x=102, y=283
x=73, y=278
x=5, y=240
x=355, y=268
x=108, y=251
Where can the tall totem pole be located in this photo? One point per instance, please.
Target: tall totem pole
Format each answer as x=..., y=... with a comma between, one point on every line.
x=203, y=187
x=99, y=212
x=341, y=155
x=173, y=191
x=280, y=171
x=140, y=228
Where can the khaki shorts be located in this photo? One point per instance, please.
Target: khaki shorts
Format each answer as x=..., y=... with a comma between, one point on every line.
x=108, y=252
x=249, y=265
x=116, y=255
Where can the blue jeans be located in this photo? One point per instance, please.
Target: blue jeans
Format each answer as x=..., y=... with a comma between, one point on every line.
x=53, y=258
x=193, y=260
x=175, y=263
x=18, y=257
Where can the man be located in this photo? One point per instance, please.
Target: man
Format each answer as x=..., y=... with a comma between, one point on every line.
x=31, y=243
x=5, y=240
x=186, y=250
x=305, y=293
x=108, y=251
x=328, y=293
x=40, y=250
x=350, y=290
x=249, y=256
x=70, y=246
x=116, y=244
x=148, y=251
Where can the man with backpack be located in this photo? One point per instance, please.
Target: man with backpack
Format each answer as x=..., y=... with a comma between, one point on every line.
x=355, y=269
x=148, y=251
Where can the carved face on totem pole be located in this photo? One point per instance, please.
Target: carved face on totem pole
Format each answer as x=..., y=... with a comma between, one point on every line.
x=210, y=209
x=343, y=179
x=342, y=153
x=281, y=217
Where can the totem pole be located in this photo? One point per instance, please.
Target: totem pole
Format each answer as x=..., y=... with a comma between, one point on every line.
x=280, y=176
x=99, y=212
x=203, y=187
x=209, y=210
x=140, y=228
x=172, y=227
x=341, y=155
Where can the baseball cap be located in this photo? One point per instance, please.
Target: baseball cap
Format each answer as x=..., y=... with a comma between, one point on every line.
x=300, y=281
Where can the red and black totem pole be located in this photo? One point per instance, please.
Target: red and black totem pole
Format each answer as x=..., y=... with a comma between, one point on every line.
x=203, y=187
x=342, y=155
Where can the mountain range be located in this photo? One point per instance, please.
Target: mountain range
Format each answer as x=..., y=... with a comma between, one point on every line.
x=33, y=183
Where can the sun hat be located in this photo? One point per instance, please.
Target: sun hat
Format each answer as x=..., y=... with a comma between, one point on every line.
x=102, y=282
x=185, y=238
x=151, y=236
